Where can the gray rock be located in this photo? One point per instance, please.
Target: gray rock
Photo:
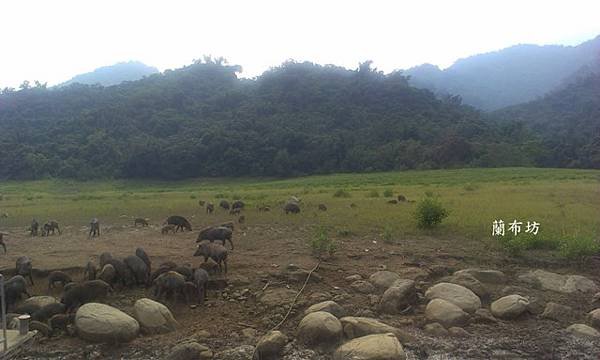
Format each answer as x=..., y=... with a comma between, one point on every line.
x=484, y=275
x=397, y=297
x=458, y=332
x=363, y=287
x=190, y=351
x=328, y=306
x=353, y=278
x=383, y=279
x=320, y=329
x=594, y=318
x=371, y=347
x=560, y=283
x=277, y=297
x=509, y=307
x=39, y=301
x=557, y=312
x=153, y=317
x=435, y=329
x=102, y=323
x=243, y=352
x=582, y=330
x=360, y=326
x=470, y=282
x=456, y=294
x=271, y=345
x=446, y=313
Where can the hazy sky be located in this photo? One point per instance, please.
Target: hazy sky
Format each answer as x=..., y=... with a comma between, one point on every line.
x=55, y=40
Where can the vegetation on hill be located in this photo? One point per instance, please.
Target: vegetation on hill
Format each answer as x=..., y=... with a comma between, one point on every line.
x=201, y=120
x=510, y=76
x=114, y=74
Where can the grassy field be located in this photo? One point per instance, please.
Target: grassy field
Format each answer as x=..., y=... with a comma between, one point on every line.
x=565, y=202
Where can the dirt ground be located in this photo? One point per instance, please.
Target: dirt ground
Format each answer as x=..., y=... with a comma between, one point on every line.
x=261, y=252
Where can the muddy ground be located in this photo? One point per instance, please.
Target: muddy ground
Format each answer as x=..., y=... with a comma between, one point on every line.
x=261, y=252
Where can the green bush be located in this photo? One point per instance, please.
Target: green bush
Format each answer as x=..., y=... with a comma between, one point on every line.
x=344, y=232
x=192, y=196
x=578, y=247
x=322, y=244
x=429, y=213
x=373, y=194
x=388, y=193
x=388, y=235
x=341, y=193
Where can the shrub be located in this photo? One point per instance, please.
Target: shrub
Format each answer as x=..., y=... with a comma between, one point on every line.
x=341, y=193
x=470, y=187
x=344, y=232
x=388, y=193
x=322, y=244
x=514, y=245
x=430, y=213
x=373, y=194
x=388, y=235
x=577, y=247
x=192, y=196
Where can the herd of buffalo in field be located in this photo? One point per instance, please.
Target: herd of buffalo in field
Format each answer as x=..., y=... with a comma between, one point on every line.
x=168, y=281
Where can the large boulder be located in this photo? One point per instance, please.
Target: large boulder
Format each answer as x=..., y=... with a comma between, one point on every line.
x=320, y=329
x=383, y=279
x=582, y=330
x=560, y=283
x=153, y=317
x=355, y=326
x=190, y=351
x=594, y=318
x=328, y=306
x=271, y=345
x=397, y=297
x=470, y=282
x=39, y=301
x=509, y=307
x=484, y=275
x=102, y=323
x=445, y=313
x=456, y=294
x=557, y=312
x=371, y=347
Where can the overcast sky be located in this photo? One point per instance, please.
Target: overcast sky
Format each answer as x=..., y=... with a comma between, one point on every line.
x=52, y=41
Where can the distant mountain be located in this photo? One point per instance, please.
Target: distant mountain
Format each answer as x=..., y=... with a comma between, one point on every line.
x=510, y=76
x=567, y=119
x=114, y=74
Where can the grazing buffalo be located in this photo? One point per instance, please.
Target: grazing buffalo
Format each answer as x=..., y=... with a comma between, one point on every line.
x=94, y=228
x=50, y=226
x=210, y=207
x=322, y=207
x=238, y=204
x=224, y=204
x=180, y=223
x=291, y=207
x=33, y=229
x=2, y=242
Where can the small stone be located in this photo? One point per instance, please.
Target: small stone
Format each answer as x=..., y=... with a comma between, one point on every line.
x=353, y=278
x=509, y=307
x=249, y=333
x=363, y=287
x=435, y=329
x=594, y=318
x=582, y=330
x=329, y=306
x=458, y=332
x=557, y=312
x=383, y=279
x=271, y=345
x=189, y=351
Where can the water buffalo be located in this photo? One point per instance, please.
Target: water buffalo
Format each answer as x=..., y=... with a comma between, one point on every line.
x=210, y=208
x=23, y=267
x=238, y=204
x=216, y=233
x=94, y=228
x=33, y=229
x=322, y=207
x=291, y=207
x=224, y=204
x=50, y=226
x=180, y=223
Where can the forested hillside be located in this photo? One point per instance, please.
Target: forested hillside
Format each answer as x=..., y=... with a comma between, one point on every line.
x=509, y=76
x=202, y=120
x=568, y=120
